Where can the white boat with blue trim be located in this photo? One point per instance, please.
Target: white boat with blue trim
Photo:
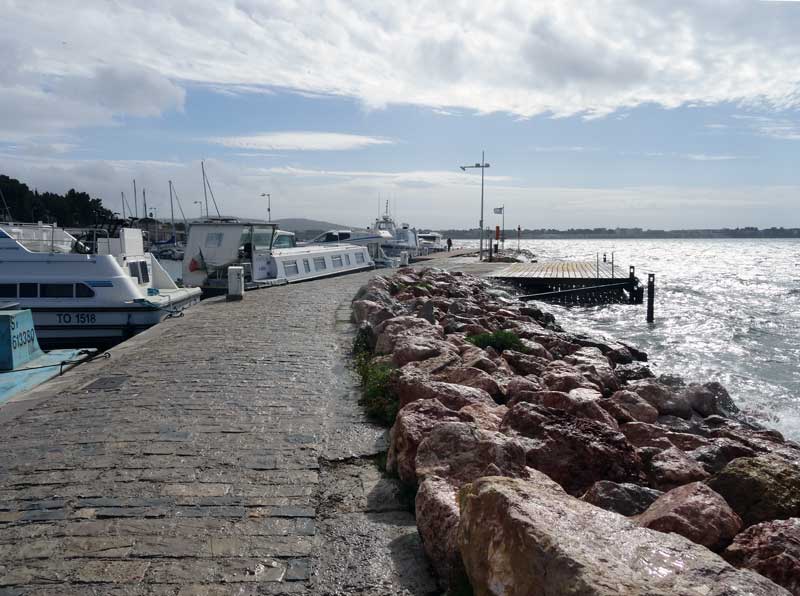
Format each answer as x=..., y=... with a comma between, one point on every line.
x=82, y=297
x=269, y=256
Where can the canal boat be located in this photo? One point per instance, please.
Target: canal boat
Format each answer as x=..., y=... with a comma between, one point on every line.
x=269, y=256
x=86, y=296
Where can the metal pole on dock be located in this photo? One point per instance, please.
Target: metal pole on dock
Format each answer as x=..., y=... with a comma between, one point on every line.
x=651, y=291
x=612, y=265
x=598, y=265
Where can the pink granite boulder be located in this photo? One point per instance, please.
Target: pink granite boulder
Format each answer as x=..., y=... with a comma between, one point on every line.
x=772, y=549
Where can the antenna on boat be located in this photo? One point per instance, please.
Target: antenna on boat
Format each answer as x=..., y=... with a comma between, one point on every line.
x=144, y=202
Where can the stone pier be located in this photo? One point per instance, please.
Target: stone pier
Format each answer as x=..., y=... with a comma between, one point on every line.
x=219, y=453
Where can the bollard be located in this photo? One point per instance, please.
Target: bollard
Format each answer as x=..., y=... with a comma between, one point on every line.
x=235, y=283
x=404, y=259
x=651, y=291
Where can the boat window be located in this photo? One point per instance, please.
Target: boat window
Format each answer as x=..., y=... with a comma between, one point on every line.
x=331, y=237
x=359, y=257
x=214, y=239
x=83, y=291
x=8, y=290
x=55, y=291
x=346, y=259
x=319, y=263
x=336, y=260
x=290, y=268
x=284, y=241
x=145, y=272
x=28, y=290
x=133, y=269
x=344, y=235
x=306, y=265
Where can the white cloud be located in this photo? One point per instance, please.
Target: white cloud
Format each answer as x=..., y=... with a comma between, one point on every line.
x=438, y=199
x=555, y=56
x=300, y=141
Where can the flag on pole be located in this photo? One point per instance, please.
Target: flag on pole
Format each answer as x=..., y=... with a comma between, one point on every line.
x=498, y=210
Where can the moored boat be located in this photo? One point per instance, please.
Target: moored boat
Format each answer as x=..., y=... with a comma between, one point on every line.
x=81, y=296
x=269, y=256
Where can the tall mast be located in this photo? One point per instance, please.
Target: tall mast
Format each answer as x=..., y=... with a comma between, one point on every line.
x=205, y=192
x=123, y=204
x=144, y=202
x=172, y=215
x=135, y=200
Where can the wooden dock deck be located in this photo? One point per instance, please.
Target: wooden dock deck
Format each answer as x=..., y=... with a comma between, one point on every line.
x=574, y=282
x=572, y=270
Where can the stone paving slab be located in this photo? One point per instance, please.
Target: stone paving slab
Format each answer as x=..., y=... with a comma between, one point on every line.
x=199, y=472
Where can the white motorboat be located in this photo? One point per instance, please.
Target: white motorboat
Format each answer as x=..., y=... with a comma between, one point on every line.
x=81, y=297
x=268, y=255
x=361, y=237
x=431, y=242
x=403, y=237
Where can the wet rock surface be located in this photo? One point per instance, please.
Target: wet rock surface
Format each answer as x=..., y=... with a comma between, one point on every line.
x=772, y=549
x=542, y=542
x=695, y=512
x=625, y=498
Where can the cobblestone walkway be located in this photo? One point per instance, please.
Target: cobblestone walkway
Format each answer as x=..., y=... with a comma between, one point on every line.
x=188, y=464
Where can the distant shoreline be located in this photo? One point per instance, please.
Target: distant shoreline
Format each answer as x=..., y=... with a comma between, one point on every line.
x=632, y=234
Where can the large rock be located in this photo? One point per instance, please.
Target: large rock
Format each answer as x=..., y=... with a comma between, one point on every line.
x=474, y=377
x=710, y=399
x=410, y=386
x=633, y=372
x=662, y=398
x=525, y=364
x=695, y=512
x=412, y=349
x=623, y=498
x=565, y=379
x=583, y=403
x=596, y=367
x=718, y=453
x=529, y=538
x=391, y=330
x=484, y=416
x=575, y=452
x=771, y=549
x=437, y=518
x=370, y=312
x=461, y=452
x=636, y=407
x=414, y=422
x=760, y=488
x=672, y=468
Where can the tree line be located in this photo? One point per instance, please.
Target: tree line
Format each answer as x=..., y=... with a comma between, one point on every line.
x=73, y=209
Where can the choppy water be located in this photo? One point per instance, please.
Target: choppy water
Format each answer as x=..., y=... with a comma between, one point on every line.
x=726, y=310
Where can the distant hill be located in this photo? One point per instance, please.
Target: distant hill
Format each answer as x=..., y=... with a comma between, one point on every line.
x=299, y=224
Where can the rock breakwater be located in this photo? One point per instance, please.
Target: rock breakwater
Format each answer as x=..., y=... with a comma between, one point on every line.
x=547, y=462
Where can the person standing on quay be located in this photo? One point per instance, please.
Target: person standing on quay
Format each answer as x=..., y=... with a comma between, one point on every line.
x=449, y=244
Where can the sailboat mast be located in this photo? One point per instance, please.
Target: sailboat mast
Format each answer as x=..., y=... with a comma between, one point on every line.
x=205, y=192
x=172, y=216
x=135, y=200
x=123, y=204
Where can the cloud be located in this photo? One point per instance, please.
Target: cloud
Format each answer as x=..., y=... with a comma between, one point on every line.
x=558, y=57
x=437, y=199
x=300, y=141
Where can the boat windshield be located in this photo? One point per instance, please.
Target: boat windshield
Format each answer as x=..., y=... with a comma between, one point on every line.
x=259, y=238
x=42, y=238
x=283, y=240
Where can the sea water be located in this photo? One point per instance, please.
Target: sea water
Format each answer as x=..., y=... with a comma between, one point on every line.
x=725, y=310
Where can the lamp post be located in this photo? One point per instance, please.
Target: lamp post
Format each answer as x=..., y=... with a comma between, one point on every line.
x=483, y=165
x=201, y=206
x=269, y=206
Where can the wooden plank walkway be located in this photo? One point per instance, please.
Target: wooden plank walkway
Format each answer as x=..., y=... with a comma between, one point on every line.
x=561, y=270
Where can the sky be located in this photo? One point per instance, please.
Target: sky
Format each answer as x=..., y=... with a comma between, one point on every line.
x=591, y=113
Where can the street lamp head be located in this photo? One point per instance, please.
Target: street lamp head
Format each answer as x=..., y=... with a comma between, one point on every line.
x=463, y=168
x=477, y=165
x=486, y=165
